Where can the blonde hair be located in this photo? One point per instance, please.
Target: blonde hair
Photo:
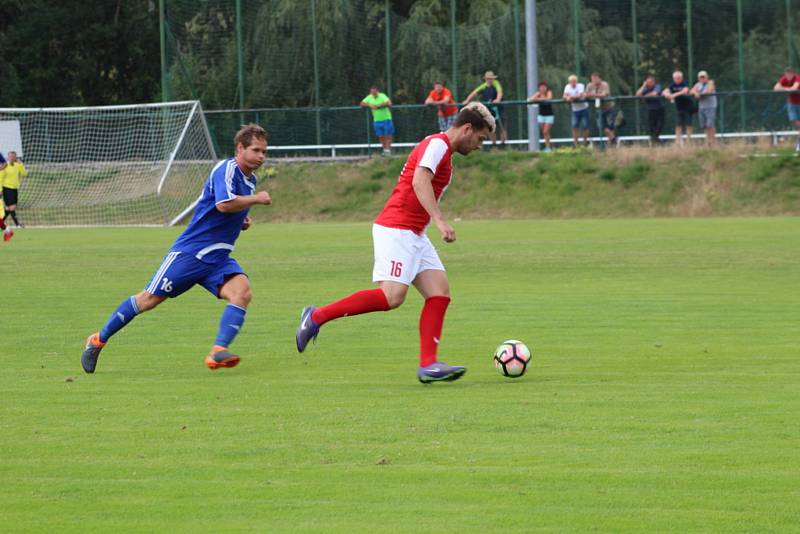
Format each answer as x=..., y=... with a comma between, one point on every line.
x=572, y=77
x=476, y=114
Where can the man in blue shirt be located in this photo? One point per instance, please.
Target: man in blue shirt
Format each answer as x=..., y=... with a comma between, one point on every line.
x=678, y=94
x=651, y=92
x=200, y=255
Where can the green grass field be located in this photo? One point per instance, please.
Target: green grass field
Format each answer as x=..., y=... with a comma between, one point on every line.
x=664, y=393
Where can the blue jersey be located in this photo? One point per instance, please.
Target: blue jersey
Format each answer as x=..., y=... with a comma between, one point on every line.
x=211, y=234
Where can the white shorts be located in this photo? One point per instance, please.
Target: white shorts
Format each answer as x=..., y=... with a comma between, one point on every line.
x=400, y=255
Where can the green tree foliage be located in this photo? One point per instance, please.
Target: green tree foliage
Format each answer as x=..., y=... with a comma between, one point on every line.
x=78, y=53
x=72, y=53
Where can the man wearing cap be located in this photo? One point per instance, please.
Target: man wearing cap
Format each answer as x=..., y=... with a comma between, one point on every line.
x=704, y=91
x=575, y=93
x=790, y=81
x=379, y=103
x=491, y=94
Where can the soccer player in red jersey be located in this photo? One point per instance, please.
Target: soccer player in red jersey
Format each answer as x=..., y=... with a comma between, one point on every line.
x=403, y=253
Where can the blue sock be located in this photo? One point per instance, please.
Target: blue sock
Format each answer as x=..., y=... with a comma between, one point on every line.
x=230, y=324
x=121, y=316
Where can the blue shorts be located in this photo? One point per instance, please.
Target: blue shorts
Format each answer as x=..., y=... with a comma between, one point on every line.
x=794, y=112
x=580, y=117
x=383, y=128
x=179, y=272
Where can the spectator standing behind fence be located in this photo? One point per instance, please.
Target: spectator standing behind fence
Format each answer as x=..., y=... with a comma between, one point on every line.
x=575, y=93
x=10, y=179
x=705, y=91
x=491, y=95
x=651, y=92
x=678, y=94
x=379, y=103
x=790, y=81
x=545, y=117
x=446, y=108
x=601, y=93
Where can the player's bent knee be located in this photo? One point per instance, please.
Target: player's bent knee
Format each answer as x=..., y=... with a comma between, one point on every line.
x=242, y=298
x=395, y=301
x=394, y=298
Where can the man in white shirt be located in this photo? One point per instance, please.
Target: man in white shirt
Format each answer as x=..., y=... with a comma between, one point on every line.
x=575, y=93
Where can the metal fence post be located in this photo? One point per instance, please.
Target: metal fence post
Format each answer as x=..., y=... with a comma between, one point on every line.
x=789, y=36
x=388, y=49
x=520, y=93
x=636, y=79
x=316, y=67
x=454, y=50
x=162, y=31
x=532, y=68
x=576, y=26
x=239, y=52
x=740, y=38
x=689, y=42
x=368, y=115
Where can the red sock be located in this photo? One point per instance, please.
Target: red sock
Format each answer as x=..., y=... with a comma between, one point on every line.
x=2, y=224
x=430, y=328
x=366, y=301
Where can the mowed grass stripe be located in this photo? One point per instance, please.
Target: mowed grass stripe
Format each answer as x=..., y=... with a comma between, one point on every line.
x=663, y=392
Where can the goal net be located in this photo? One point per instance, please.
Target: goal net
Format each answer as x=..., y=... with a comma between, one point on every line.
x=110, y=165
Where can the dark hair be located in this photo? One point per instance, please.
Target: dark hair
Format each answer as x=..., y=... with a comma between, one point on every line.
x=473, y=117
x=650, y=77
x=597, y=74
x=788, y=69
x=247, y=133
x=542, y=82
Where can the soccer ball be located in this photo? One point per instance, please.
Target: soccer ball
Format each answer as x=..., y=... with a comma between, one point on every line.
x=511, y=358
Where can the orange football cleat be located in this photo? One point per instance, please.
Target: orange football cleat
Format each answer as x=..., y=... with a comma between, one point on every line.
x=220, y=357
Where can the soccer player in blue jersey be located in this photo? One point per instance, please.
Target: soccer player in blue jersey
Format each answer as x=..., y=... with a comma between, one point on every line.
x=201, y=254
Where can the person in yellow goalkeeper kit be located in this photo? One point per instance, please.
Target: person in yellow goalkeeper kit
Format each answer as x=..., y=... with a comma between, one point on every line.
x=10, y=179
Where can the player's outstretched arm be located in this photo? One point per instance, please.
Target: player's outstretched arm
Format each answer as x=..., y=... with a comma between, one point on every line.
x=423, y=188
x=244, y=202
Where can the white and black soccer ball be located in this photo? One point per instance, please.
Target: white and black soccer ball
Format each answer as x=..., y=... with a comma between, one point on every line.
x=511, y=359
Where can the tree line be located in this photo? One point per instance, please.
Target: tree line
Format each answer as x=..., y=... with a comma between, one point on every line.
x=59, y=53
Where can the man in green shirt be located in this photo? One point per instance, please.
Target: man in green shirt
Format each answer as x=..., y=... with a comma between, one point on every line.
x=379, y=103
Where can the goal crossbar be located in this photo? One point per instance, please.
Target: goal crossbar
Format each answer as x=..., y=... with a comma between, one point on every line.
x=134, y=165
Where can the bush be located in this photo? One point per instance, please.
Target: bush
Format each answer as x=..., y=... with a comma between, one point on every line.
x=634, y=173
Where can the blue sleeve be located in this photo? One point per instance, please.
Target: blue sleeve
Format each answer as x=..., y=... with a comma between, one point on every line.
x=222, y=182
x=2, y=159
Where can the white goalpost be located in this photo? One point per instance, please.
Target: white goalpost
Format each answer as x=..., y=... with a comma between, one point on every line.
x=137, y=165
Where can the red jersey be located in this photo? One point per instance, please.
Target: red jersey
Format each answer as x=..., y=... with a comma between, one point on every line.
x=403, y=209
x=785, y=81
